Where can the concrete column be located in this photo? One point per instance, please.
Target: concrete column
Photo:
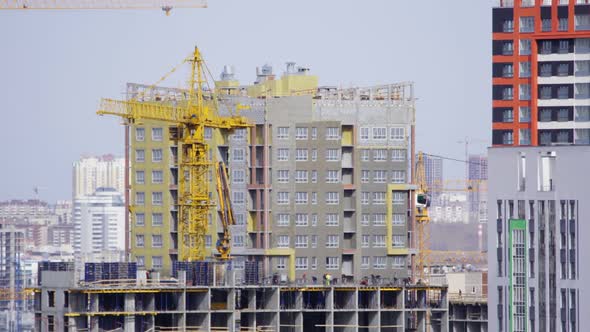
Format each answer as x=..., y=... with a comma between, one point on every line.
x=129, y=307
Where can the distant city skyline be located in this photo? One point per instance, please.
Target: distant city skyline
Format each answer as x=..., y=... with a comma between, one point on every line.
x=84, y=59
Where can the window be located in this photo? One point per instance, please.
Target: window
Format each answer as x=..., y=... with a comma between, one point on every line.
x=397, y=133
x=379, y=176
x=527, y=24
x=314, y=154
x=157, y=177
x=332, y=133
x=208, y=240
x=314, y=241
x=281, y=263
x=238, y=176
x=398, y=241
x=156, y=241
x=301, y=241
x=398, y=155
x=364, y=132
x=139, y=134
x=562, y=26
x=398, y=261
x=139, y=198
x=545, y=92
x=332, y=198
x=208, y=132
x=139, y=219
x=563, y=69
x=365, y=154
x=283, y=154
x=379, y=262
x=379, y=133
x=332, y=154
x=238, y=241
x=582, y=22
x=51, y=298
x=333, y=176
x=562, y=114
x=283, y=176
x=314, y=133
x=239, y=134
x=365, y=219
x=524, y=92
x=399, y=219
x=314, y=263
x=379, y=155
x=546, y=25
x=314, y=176
x=283, y=133
x=157, y=219
x=379, y=219
x=398, y=176
x=157, y=134
x=238, y=198
x=379, y=198
x=301, y=219
x=524, y=69
x=508, y=70
x=332, y=263
x=157, y=198
x=525, y=47
x=332, y=219
x=156, y=155
x=365, y=261
x=283, y=241
x=332, y=241
x=301, y=176
x=140, y=261
x=140, y=155
x=301, y=197
x=398, y=197
x=238, y=154
x=314, y=219
x=300, y=263
x=365, y=198
x=301, y=133
x=50, y=318
x=378, y=241
x=524, y=114
x=301, y=154
x=507, y=138
x=283, y=220
x=139, y=177
x=139, y=240
x=507, y=48
x=365, y=174
x=365, y=241
x=240, y=219
x=156, y=262
x=314, y=198
x=508, y=25
x=563, y=92
x=508, y=93
x=282, y=198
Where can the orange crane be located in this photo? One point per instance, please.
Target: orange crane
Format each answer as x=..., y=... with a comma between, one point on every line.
x=191, y=116
x=165, y=5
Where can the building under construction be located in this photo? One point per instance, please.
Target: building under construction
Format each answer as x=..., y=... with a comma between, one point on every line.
x=177, y=304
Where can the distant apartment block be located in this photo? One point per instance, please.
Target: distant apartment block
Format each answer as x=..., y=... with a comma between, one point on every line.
x=91, y=173
x=477, y=188
x=99, y=223
x=433, y=169
x=539, y=200
x=541, y=72
x=319, y=183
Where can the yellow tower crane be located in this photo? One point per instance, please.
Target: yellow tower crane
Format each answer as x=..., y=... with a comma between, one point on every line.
x=191, y=116
x=422, y=222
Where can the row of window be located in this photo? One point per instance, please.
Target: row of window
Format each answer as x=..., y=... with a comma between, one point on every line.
x=156, y=262
x=333, y=219
x=380, y=176
x=301, y=133
x=157, y=198
x=302, y=154
x=284, y=198
x=380, y=133
x=157, y=241
x=527, y=24
x=157, y=134
x=157, y=177
x=398, y=241
x=157, y=219
x=156, y=155
x=303, y=241
x=333, y=176
x=380, y=262
x=333, y=263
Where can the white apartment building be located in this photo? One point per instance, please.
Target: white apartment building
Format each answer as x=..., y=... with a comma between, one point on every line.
x=91, y=173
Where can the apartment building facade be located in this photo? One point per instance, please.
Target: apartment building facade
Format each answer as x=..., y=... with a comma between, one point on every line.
x=538, y=273
x=541, y=72
x=91, y=173
x=319, y=183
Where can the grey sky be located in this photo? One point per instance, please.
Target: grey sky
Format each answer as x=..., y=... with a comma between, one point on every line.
x=55, y=67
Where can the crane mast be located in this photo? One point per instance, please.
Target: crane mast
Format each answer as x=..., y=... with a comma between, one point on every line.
x=225, y=209
x=422, y=221
x=191, y=118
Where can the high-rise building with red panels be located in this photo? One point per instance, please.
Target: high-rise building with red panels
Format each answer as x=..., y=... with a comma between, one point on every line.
x=541, y=72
